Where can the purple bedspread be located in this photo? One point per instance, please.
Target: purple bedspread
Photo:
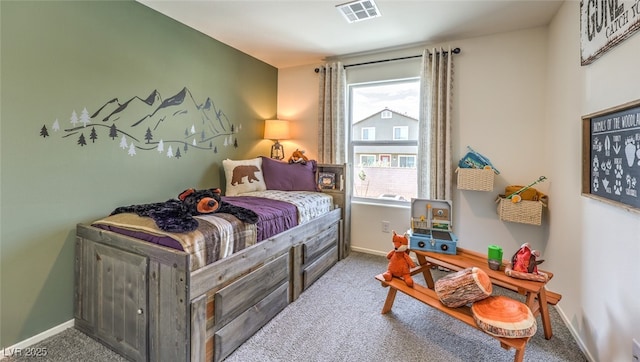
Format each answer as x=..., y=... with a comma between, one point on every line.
x=274, y=216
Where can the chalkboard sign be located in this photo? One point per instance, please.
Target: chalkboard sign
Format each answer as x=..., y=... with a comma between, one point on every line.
x=611, y=156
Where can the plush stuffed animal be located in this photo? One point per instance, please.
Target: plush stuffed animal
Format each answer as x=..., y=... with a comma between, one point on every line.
x=176, y=215
x=400, y=262
x=298, y=157
x=200, y=202
x=525, y=260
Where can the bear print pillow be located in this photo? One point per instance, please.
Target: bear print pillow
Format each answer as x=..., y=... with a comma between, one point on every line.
x=243, y=176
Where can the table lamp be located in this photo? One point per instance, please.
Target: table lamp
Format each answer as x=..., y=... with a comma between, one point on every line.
x=276, y=129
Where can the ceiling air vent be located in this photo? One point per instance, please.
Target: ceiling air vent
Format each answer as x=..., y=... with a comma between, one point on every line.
x=359, y=10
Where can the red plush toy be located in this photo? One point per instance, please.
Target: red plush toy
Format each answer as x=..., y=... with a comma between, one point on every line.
x=524, y=265
x=400, y=262
x=525, y=260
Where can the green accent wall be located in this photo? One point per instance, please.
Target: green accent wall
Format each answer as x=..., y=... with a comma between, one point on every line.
x=58, y=57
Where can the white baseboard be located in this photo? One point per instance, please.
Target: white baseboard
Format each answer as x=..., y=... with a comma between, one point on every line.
x=10, y=351
x=377, y=252
x=575, y=335
x=368, y=251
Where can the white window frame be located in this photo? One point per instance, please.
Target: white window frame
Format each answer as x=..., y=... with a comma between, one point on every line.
x=353, y=143
x=401, y=128
x=415, y=160
x=386, y=114
x=371, y=131
x=375, y=159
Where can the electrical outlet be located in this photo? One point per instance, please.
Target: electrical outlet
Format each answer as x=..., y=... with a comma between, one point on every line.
x=635, y=351
x=385, y=226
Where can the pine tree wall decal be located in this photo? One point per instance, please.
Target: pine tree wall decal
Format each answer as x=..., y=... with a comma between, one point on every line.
x=93, y=135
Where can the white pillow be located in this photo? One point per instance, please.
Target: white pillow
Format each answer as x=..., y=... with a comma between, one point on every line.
x=243, y=176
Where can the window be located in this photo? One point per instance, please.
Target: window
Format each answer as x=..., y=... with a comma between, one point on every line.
x=401, y=133
x=407, y=161
x=385, y=154
x=368, y=133
x=368, y=160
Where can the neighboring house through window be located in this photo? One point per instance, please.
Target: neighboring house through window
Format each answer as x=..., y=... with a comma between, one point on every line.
x=384, y=139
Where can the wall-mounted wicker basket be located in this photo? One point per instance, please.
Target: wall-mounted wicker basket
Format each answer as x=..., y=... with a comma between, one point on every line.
x=475, y=179
x=525, y=212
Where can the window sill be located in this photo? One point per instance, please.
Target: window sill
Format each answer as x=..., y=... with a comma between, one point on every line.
x=382, y=203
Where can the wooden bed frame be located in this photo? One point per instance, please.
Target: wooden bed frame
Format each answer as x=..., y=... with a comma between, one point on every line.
x=141, y=300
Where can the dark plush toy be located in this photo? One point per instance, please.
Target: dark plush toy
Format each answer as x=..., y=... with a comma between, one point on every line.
x=200, y=202
x=176, y=216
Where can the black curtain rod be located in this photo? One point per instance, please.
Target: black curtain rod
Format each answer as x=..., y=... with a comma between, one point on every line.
x=454, y=51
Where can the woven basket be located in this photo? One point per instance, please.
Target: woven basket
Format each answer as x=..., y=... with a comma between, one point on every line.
x=475, y=179
x=525, y=212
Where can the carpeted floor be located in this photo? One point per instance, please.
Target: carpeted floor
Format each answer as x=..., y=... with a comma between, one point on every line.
x=338, y=319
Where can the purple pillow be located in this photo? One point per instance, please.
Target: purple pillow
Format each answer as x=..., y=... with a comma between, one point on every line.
x=289, y=176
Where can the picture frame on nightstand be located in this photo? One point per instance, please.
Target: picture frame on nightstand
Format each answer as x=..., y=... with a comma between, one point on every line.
x=327, y=180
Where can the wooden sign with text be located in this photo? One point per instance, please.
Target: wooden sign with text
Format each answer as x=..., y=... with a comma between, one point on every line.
x=605, y=24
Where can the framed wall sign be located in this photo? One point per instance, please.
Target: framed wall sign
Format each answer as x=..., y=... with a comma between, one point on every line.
x=611, y=156
x=605, y=24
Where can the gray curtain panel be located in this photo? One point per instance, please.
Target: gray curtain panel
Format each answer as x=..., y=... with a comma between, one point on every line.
x=331, y=114
x=434, y=124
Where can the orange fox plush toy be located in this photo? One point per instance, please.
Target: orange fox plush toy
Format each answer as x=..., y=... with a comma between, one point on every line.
x=400, y=262
x=298, y=157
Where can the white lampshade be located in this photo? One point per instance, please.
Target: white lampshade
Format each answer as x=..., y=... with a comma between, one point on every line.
x=276, y=129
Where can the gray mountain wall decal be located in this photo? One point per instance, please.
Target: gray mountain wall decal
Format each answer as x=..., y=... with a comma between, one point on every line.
x=151, y=123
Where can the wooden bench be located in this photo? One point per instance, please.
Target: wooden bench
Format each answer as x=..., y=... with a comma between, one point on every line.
x=553, y=298
x=536, y=294
x=429, y=297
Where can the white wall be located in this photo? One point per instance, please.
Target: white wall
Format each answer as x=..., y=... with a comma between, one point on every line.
x=595, y=246
x=519, y=99
x=498, y=110
x=298, y=103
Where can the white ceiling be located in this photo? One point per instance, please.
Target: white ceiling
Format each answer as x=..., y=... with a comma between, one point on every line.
x=288, y=33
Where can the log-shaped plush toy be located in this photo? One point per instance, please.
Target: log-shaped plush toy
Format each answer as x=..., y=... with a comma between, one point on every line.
x=463, y=287
x=504, y=317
